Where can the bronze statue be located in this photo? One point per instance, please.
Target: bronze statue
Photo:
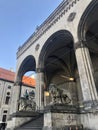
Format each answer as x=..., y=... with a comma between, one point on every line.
x=27, y=102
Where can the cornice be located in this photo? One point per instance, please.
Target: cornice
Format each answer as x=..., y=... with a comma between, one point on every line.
x=64, y=7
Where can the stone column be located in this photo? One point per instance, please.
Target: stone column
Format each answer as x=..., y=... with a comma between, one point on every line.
x=15, y=97
x=86, y=74
x=40, y=88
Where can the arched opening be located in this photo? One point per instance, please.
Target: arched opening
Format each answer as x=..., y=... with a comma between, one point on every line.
x=27, y=81
x=57, y=57
x=27, y=65
x=88, y=34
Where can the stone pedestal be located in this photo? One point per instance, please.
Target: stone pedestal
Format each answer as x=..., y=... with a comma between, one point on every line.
x=59, y=117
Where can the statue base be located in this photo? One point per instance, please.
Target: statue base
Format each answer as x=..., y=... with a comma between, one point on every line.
x=61, y=116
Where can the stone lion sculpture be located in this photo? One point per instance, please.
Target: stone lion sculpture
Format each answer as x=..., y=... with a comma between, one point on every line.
x=58, y=95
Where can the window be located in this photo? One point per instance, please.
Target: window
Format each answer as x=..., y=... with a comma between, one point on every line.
x=5, y=111
x=4, y=118
x=7, y=100
x=8, y=93
x=9, y=87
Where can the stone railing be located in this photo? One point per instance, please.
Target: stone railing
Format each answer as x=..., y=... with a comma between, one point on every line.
x=47, y=24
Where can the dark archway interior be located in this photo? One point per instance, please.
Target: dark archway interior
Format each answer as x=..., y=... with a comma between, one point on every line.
x=60, y=68
x=92, y=40
x=90, y=34
x=59, y=58
x=92, y=30
x=28, y=64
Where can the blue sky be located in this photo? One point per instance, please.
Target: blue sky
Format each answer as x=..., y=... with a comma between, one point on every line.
x=18, y=20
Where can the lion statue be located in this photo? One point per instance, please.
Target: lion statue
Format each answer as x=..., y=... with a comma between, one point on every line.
x=58, y=95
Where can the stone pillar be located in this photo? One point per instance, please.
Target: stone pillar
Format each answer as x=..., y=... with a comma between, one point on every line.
x=15, y=97
x=40, y=88
x=86, y=74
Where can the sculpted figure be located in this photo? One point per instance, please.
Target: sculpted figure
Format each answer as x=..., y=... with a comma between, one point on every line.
x=58, y=95
x=27, y=102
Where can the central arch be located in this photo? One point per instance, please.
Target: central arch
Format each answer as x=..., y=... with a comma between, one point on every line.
x=57, y=58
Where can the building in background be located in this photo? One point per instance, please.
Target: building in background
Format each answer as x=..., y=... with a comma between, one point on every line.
x=6, y=92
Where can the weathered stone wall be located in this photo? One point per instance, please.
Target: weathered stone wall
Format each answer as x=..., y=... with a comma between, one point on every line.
x=89, y=121
x=60, y=120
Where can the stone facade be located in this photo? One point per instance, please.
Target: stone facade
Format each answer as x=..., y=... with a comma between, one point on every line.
x=6, y=89
x=63, y=51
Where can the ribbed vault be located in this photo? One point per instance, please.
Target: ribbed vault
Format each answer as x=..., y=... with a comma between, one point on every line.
x=57, y=58
x=88, y=27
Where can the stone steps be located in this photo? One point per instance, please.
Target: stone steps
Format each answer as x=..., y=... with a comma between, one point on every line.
x=35, y=124
x=30, y=128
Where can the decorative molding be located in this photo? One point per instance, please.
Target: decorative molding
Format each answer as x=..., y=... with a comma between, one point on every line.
x=47, y=24
x=37, y=47
x=62, y=108
x=71, y=17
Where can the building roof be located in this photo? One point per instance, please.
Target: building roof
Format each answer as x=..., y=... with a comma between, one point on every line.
x=10, y=76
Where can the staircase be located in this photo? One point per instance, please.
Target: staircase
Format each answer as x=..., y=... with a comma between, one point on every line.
x=34, y=124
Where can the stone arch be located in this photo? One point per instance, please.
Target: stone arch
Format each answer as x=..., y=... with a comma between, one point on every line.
x=49, y=42
x=57, y=60
x=88, y=26
x=88, y=35
x=28, y=64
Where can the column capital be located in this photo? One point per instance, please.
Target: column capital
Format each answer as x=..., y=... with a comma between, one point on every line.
x=79, y=44
x=39, y=70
